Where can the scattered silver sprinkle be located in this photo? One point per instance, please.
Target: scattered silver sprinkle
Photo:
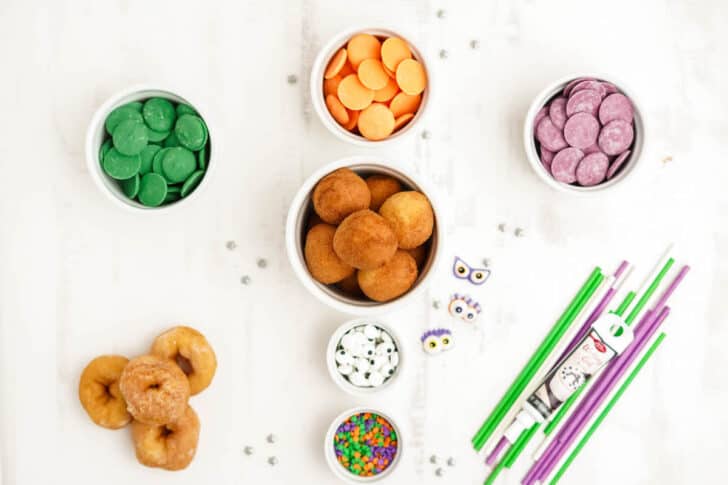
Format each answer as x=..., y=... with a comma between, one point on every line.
x=519, y=232
x=486, y=262
x=440, y=472
x=292, y=79
x=502, y=227
x=245, y=280
x=443, y=54
x=451, y=461
x=272, y=461
x=474, y=44
x=231, y=245
x=434, y=459
x=435, y=304
x=248, y=450
x=271, y=438
x=426, y=135
x=441, y=14
x=262, y=263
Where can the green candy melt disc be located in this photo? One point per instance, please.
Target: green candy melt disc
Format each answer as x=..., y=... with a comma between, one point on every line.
x=191, y=132
x=130, y=137
x=178, y=164
x=122, y=113
x=185, y=109
x=119, y=166
x=152, y=190
x=191, y=183
x=130, y=187
x=147, y=155
x=159, y=114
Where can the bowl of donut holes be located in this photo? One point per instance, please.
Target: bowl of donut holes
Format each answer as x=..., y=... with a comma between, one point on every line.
x=150, y=394
x=363, y=235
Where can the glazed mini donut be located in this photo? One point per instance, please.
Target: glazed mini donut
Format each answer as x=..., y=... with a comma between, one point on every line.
x=189, y=349
x=170, y=446
x=155, y=389
x=98, y=390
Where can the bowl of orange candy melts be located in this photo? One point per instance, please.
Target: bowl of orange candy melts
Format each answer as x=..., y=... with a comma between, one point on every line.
x=369, y=86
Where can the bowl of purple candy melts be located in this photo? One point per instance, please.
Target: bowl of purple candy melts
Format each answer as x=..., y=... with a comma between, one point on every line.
x=583, y=134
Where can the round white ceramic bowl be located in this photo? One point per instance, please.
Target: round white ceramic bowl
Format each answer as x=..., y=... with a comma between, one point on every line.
x=330, y=454
x=317, y=91
x=534, y=160
x=95, y=137
x=302, y=207
x=340, y=380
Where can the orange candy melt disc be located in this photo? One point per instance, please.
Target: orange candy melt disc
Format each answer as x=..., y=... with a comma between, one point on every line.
x=337, y=110
x=353, y=94
x=402, y=120
x=362, y=46
x=331, y=85
x=403, y=103
x=353, y=119
x=335, y=65
x=376, y=122
x=387, y=92
x=411, y=77
x=372, y=74
x=394, y=51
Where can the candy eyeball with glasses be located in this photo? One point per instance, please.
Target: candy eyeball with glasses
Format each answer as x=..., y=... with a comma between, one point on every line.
x=366, y=356
x=464, y=308
x=436, y=340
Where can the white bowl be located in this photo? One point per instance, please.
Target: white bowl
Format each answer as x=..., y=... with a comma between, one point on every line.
x=302, y=207
x=532, y=153
x=95, y=137
x=330, y=454
x=340, y=380
x=317, y=92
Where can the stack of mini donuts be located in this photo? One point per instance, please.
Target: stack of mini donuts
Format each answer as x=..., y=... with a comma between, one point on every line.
x=368, y=236
x=151, y=392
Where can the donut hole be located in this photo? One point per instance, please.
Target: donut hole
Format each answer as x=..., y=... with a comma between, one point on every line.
x=184, y=364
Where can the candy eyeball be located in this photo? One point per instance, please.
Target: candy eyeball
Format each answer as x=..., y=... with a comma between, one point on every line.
x=385, y=348
x=371, y=332
x=394, y=359
x=446, y=341
x=361, y=364
x=460, y=269
x=358, y=379
x=345, y=369
x=343, y=357
x=431, y=344
x=387, y=370
x=368, y=350
x=348, y=341
x=478, y=276
x=457, y=307
x=376, y=379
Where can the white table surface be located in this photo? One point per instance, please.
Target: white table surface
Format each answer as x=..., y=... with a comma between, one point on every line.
x=79, y=277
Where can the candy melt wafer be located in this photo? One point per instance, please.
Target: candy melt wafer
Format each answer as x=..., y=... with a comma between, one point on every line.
x=373, y=85
x=585, y=133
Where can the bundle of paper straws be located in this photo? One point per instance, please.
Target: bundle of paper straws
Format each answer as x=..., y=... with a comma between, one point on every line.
x=564, y=435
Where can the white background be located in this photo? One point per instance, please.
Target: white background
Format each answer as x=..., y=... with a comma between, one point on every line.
x=80, y=277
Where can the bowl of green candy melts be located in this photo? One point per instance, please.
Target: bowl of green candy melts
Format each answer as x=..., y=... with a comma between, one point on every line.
x=149, y=149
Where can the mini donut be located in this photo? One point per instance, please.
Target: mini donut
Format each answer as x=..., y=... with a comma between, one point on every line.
x=98, y=391
x=322, y=262
x=155, y=389
x=339, y=194
x=190, y=350
x=365, y=240
x=170, y=446
x=410, y=214
x=393, y=279
x=381, y=187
